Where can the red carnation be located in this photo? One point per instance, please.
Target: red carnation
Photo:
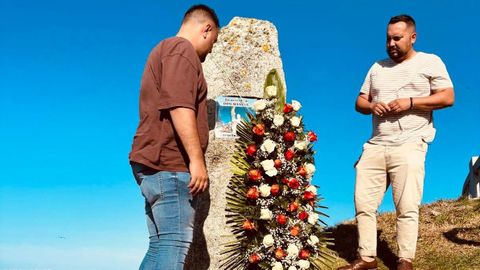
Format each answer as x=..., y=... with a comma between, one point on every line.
x=285, y=181
x=287, y=108
x=303, y=215
x=308, y=195
x=289, y=136
x=289, y=154
x=251, y=150
x=254, y=175
x=252, y=193
x=312, y=137
x=254, y=258
x=293, y=183
x=274, y=189
x=302, y=171
x=304, y=254
x=293, y=206
x=248, y=225
x=259, y=129
x=281, y=219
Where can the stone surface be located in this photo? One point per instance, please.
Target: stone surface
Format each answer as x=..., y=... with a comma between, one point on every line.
x=246, y=50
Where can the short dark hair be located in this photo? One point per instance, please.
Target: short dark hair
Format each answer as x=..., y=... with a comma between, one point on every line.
x=203, y=10
x=403, y=18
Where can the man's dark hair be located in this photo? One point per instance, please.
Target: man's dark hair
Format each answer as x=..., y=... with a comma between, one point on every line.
x=402, y=18
x=203, y=10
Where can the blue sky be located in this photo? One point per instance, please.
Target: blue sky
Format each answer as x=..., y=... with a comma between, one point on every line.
x=69, y=81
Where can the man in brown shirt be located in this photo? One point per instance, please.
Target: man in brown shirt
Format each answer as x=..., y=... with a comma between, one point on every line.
x=167, y=155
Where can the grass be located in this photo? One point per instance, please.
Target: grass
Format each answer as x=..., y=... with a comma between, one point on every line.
x=449, y=237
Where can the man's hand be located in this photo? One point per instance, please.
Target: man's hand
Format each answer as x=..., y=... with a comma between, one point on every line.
x=379, y=108
x=399, y=105
x=199, y=177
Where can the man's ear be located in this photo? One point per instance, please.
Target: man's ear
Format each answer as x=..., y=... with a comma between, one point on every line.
x=413, y=37
x=206, y=28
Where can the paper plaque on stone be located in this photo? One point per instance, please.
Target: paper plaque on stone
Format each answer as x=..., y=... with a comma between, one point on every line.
x=230, y=112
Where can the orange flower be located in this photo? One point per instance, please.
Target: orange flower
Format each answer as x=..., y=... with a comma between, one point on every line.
x=254, y=258
x=280, y=253
x=295, y=230
x=302, y=171
x=248, y=225
x=274, y=189
x=293, y=206
x=254, y=175
x=259, y=129
x=253, y=193
x=277, y=163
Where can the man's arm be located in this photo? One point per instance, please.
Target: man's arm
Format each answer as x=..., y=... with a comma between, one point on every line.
x=438, y=100
x=365, y=106
x=185, y=125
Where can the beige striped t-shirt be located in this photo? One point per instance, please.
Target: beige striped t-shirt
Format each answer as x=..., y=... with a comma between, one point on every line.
x=386, y=81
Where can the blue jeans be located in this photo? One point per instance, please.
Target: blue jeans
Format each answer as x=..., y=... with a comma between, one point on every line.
x=170, y=214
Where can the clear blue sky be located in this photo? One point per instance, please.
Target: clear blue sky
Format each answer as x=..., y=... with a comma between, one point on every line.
x=69, y=81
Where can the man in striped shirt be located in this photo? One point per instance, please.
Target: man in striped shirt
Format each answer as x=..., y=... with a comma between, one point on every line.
x=400, y=92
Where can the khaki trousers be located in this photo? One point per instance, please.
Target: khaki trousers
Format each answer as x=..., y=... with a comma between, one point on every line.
x=404, y=167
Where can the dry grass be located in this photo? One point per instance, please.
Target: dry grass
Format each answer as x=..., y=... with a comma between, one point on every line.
x=449, y=237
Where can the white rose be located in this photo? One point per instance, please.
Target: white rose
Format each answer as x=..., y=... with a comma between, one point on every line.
x=268, y=240
x=265, y=214
x=260, y=105
x=304, y=264
x=268, y=146
x=313, y=218
x=310, y=168
x=272, y=172
x=295, y=121
x=296, y=105
x=264, y=190
x=313, y=240
x=278, y=120
x=277, y=266
x=271, y=91
x=292, y=251
x=301, y=145
x=312, y=189
x=268, y=164
x=292, y=268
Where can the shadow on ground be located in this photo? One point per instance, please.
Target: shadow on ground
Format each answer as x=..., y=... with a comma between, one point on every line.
x=346, y=245
x=461, y=236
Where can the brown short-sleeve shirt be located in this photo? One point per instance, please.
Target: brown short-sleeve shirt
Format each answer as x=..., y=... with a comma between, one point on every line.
x=173, y=77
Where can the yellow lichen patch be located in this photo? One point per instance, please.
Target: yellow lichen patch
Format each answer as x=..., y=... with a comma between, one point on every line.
x=266, y=47
x=248, y=86
x=244, y=72
x=236, y=48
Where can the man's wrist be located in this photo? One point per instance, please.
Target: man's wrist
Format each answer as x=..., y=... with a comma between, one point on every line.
x=411, y=103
